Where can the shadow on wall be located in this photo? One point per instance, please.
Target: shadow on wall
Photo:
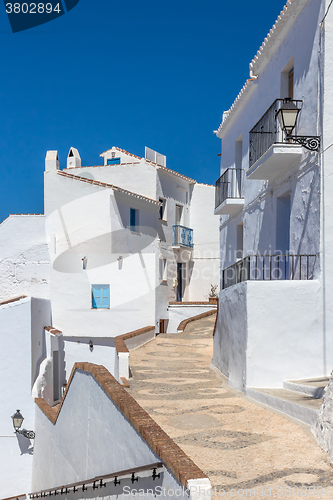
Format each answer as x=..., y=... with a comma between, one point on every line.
x=25, y=445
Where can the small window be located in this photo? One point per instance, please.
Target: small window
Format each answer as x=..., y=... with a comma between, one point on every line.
x=162, y=269
x=100, y=296
x=113, y=161
x=162, y=214
x=291, y=84
x=134, y=219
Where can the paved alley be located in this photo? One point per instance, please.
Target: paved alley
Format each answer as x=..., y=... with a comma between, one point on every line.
x=238, y=444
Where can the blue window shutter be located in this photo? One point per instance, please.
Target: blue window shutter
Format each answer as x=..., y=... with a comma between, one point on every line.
x=100, y=296
x=105, y=296
x=113, y=161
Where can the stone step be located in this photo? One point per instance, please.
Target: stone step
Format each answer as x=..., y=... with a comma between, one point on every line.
x=295, y=404
x=313, y=387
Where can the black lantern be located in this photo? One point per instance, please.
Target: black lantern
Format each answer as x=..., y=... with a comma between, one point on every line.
x=17, y=423
x=17, y=420
x=287, y=116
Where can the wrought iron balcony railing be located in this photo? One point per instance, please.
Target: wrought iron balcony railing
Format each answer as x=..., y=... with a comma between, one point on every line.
x=267, y=131
x=228, y=185
x=270, y=267
x=182, y=236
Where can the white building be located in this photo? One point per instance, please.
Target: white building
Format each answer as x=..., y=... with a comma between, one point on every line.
x=126, y=238
x=117, y=243
x=274, y=200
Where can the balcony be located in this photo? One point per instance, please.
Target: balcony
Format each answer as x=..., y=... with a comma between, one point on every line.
x=269, y=156
x=270, y=267
x=182, y=236
x=228, y=200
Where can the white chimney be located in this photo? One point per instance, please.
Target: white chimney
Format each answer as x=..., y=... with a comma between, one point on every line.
x=73, y=158
x=51, y=161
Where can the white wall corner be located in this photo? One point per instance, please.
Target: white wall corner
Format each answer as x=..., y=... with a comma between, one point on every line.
x=200, y=489
x=51, y=161
x=123, y=360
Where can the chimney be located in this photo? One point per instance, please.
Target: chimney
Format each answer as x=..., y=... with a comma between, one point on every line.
x=73, y=158
x=51, y=161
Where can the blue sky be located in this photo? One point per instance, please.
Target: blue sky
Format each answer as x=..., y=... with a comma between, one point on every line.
x=136, y=73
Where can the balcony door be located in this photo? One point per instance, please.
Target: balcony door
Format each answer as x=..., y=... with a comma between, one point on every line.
x=179, y=281
x=283, y=233
x=179, y=215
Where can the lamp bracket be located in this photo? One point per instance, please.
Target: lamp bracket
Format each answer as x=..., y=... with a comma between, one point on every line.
x=312, y=143
x=26, y=433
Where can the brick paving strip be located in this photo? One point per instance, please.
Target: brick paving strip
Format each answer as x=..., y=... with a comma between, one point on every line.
x=240, y=445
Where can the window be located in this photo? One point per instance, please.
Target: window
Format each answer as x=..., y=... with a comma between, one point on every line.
x=100, y=296
x=162, y=269
x=113, y=161
x=134, y=219
x=162, y=214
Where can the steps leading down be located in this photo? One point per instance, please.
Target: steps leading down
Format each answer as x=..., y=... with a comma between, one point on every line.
x=300, y=399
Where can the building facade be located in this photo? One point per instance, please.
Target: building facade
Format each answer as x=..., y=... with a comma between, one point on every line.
x=273, y=199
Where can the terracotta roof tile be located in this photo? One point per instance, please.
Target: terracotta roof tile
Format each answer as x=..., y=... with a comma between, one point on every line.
x=14, y=299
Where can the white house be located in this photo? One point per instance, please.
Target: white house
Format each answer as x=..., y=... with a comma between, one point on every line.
x=126, y=238
x=274, y=199
x=117, y=243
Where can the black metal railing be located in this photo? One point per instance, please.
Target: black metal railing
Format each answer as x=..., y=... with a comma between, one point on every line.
x=270, y=267
x=228, y=185
x=182, y=236
x=267, y=131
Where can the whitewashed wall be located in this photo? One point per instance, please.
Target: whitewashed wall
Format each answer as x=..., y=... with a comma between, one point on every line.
x=20, y=322
x=24, y=257
x=268, y=332
x=205, y=269
x=138, y=177
x=91, y=438
x=178, y=313
x=259, y=217
x=327, y=186
x=91, y=222
x=103, y=353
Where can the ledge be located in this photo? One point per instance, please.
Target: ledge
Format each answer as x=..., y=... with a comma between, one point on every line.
x=230, y=206
x=119, y=341
x=277, y=160
x=181, y=466
x=185, y=322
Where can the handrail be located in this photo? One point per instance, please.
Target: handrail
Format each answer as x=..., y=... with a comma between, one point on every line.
x=92, y=482
x=228, y=185
x=270, y=267
x=183, y=236
x=266, y=131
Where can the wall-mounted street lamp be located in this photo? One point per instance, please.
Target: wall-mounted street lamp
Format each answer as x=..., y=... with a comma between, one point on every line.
x=287, y=116
x=17, y=423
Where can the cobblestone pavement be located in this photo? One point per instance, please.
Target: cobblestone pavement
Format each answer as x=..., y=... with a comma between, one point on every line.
x=238, y=444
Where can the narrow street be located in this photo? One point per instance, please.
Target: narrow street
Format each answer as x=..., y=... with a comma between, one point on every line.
x=238, y=444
